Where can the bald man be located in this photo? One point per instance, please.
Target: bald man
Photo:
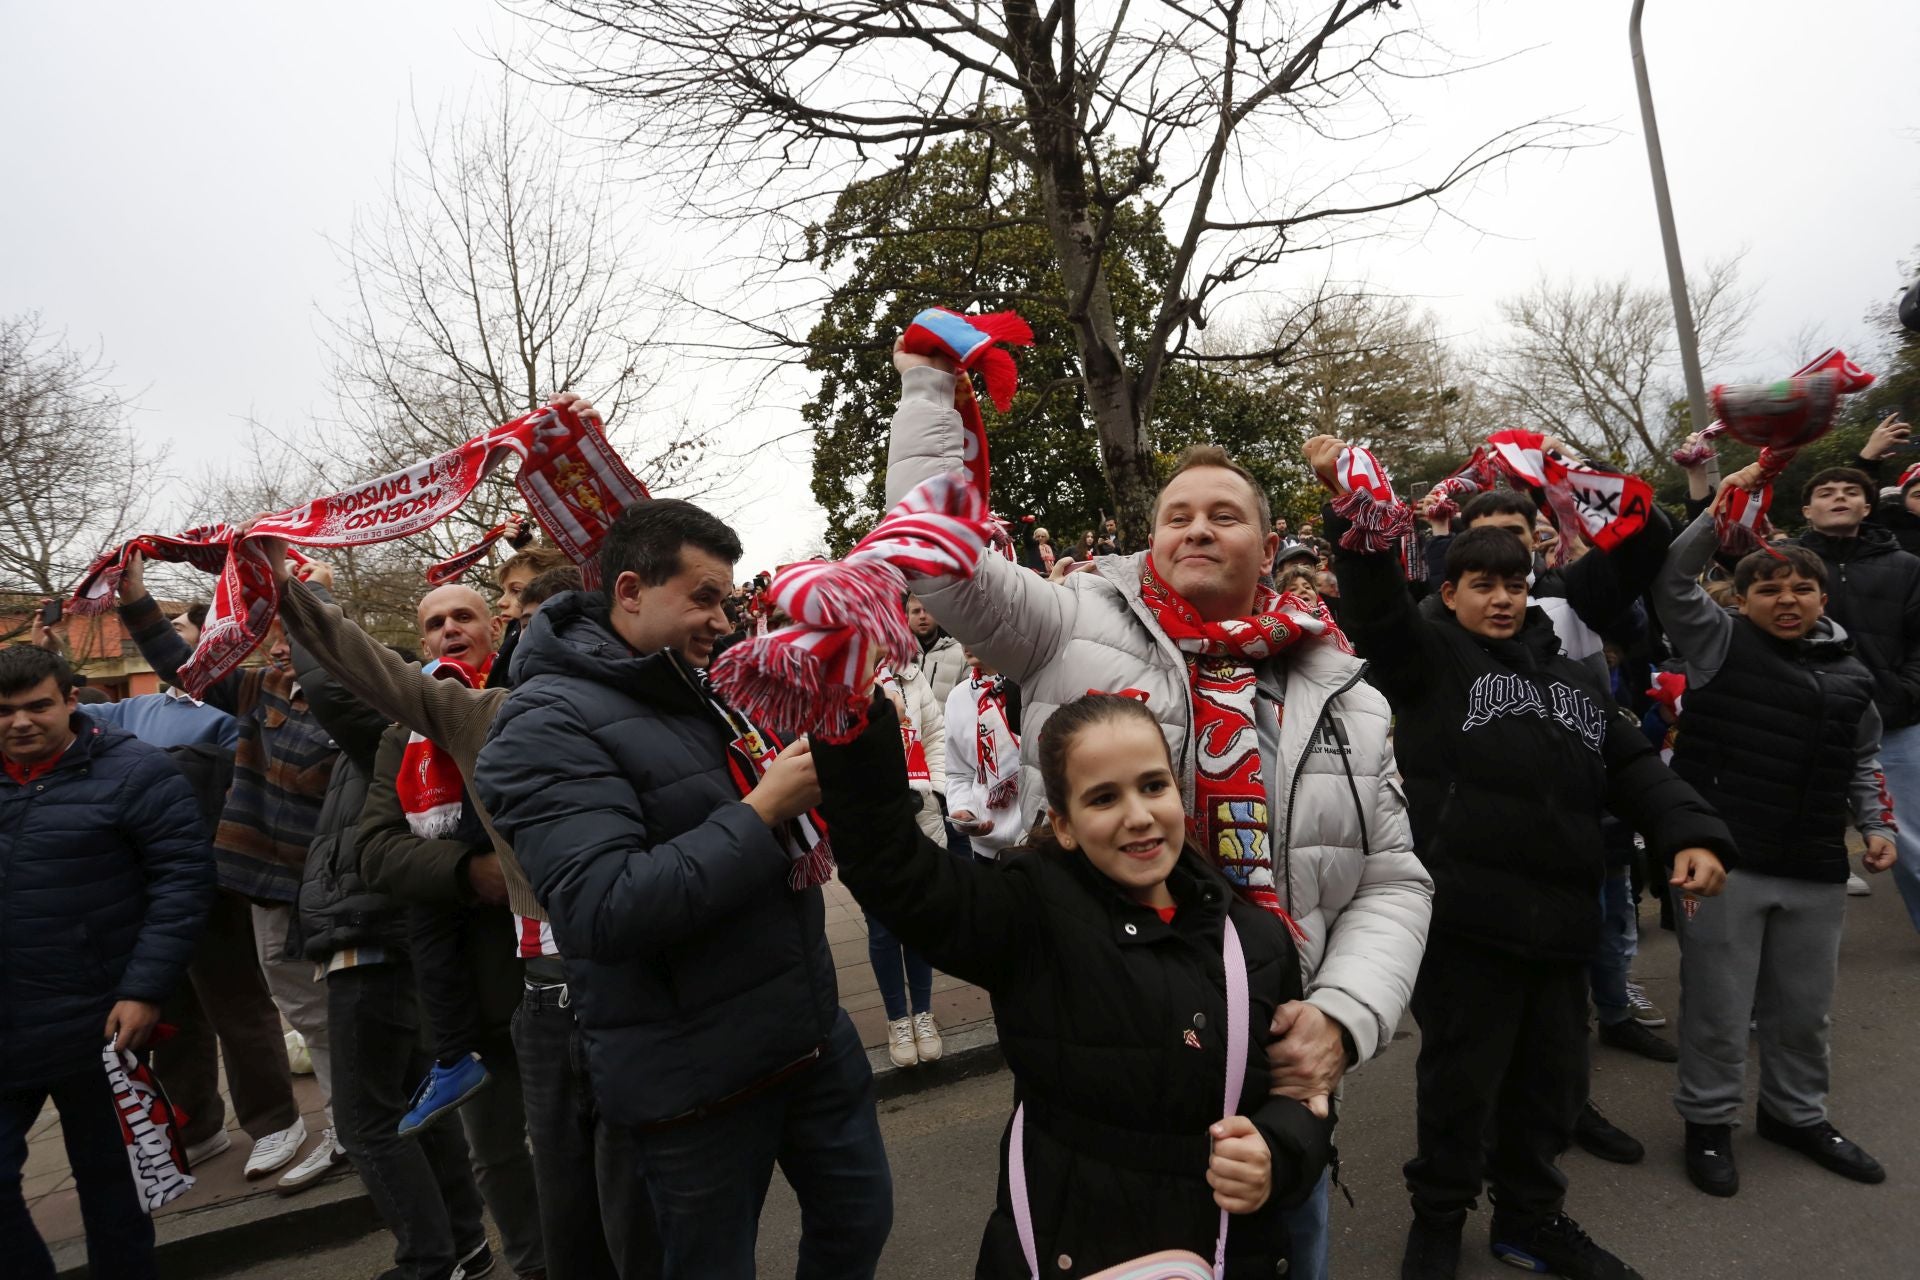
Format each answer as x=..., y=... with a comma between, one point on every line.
x=447, y=856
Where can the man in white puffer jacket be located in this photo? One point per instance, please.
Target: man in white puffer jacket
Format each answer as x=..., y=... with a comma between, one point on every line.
x=1341, y=846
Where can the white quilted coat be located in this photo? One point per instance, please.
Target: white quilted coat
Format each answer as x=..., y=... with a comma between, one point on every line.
x=1340, y=832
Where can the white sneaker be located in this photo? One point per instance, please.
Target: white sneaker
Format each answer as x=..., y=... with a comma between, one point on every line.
x=201, y=1152
x=926, y=1038
x=277, y=1149
x=900, y=1043
x=318, y=1163
x=1856, y=887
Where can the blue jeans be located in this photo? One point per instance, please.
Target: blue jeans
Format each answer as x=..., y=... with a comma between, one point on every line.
x=1900, y=761
x=709, y=1177
x=887, y=954
x=119, y=1232
x=1307, y=1232
x=1612, y=960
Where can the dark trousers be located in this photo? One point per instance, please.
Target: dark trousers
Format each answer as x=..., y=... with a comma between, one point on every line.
x=119, y=1233
x=1501, y=1078
x=437, y=939
x=709, y=1178
x=421, y=1184
x=595, y=1216
x=227, y=1011
x=495, y=1121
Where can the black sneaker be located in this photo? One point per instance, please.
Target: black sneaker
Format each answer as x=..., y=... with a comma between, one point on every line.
x=1823, y=1144
x=1433, y=1247
x=1634, y=1038
x=476, y=1264
x=1557, y=1247
x=1710, y=1158
x=1598, y=1136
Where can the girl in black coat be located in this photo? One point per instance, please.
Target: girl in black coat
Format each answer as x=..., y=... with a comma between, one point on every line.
x=1101, y=947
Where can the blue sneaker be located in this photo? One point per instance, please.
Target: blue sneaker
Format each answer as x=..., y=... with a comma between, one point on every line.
x=444, y=1089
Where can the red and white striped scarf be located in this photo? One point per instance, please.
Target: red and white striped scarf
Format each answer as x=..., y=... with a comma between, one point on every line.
x=1229, y=818
x=919, y=773
x=996, y=746
x=805, y=837
x=814, y=675
x=428, y=785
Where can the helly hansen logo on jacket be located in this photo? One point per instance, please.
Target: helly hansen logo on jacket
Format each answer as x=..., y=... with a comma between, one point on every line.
x=1499, y=694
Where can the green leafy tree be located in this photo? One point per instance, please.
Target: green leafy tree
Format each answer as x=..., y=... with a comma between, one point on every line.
x=963, y=228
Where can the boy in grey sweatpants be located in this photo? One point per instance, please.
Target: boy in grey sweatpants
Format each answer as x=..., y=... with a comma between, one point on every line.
x=1778, y=731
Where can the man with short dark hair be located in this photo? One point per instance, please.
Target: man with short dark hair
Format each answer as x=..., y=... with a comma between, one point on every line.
x=671, y=847
x=107, y=881
x=280, y=773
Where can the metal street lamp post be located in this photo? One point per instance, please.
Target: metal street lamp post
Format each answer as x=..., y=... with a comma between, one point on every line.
x=1670, y=238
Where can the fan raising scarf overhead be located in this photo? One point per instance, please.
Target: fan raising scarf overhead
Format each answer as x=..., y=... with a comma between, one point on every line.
x=815, y=676
x=573, y=481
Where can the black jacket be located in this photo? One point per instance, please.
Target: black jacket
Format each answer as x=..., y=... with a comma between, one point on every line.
x=1510, y=752
x=696, y=971
x=1873, y=591
x=106, y=877
x=336, y=907
x=1773, y=740
x=1904, y=525
x=1095, y=999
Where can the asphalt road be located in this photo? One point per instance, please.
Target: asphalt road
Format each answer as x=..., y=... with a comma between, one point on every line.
x=1791, y=1219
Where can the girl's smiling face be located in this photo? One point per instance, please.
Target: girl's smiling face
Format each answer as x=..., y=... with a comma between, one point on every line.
x=1123, y=808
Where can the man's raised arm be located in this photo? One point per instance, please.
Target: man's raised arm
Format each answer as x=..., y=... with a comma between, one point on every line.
x=1015, y=618
x=398, y=689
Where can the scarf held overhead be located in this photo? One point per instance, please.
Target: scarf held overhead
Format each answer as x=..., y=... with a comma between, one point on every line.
x=815, y=675
x=972, y=342
x=573, y=481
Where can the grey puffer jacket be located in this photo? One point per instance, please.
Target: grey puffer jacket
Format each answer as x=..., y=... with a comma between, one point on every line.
x=1341, y=839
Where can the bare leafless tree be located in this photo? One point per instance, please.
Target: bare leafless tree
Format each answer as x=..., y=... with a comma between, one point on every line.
x=762, y=109
x=72, y=475
x=492, y=279
x=1596, y=364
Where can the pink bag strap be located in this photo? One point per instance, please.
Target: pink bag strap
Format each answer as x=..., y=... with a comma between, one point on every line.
x=1238, y=1010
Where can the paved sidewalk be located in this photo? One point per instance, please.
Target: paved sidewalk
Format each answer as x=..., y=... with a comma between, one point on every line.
x=222, y=1200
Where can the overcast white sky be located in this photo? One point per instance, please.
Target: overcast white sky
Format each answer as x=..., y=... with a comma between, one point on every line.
x=173, y=172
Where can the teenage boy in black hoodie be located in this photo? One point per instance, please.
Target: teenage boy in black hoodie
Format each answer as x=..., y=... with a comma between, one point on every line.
x=1778, y=728
x=1509, y=752
x=1873, y=591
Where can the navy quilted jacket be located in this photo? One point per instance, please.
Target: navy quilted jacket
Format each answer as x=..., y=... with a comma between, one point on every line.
x=695, y=971
x=106, y=876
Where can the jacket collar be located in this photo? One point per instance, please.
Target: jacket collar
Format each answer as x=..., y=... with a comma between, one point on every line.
x=1316, y=660
x=1199, y=892
x=1872, y=540
x=572, y=635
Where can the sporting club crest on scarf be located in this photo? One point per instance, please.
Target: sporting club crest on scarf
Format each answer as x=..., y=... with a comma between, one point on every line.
x=573, y=482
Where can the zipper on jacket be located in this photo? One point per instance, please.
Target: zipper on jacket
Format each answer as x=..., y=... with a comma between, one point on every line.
x=1293, y=791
